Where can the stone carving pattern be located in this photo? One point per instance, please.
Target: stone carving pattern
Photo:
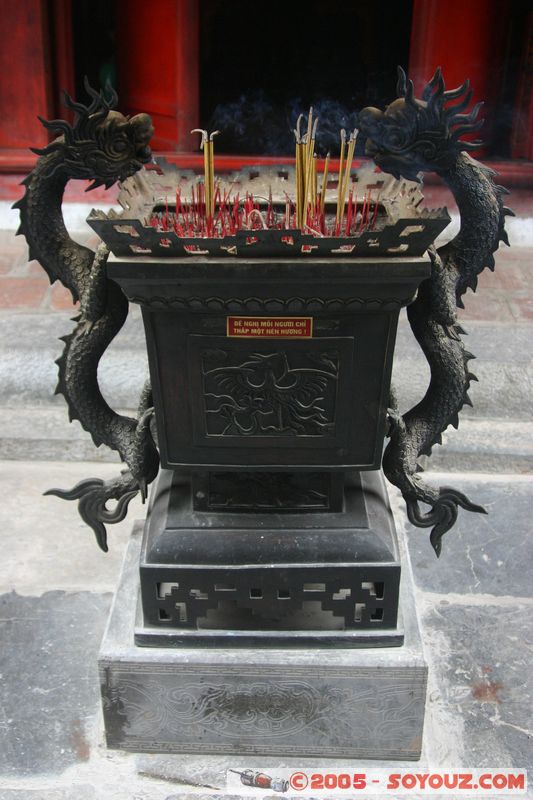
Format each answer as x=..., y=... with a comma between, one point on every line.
x=377, y=711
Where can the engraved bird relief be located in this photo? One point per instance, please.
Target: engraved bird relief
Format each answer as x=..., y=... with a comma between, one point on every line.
x=265, y=396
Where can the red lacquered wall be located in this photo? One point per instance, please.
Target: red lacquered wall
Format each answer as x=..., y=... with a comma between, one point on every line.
x=158, y=67
x=25, y=75
x=464, y=37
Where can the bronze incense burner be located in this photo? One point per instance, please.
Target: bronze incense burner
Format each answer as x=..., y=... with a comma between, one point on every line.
x=270, y=304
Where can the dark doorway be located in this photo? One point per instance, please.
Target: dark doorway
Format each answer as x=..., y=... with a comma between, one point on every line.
x=263, y=64
x=94, y=31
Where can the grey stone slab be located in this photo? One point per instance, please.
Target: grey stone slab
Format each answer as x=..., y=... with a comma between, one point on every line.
x=503, y=365
x=45, y=433
x=29, y=346
x=269, y=701
x=482, y=554
x=488, y=341
x=27, y=330
x=481, y=657
x=49, y=693
x=489, y=445
x=79, y=792
x=45, y=543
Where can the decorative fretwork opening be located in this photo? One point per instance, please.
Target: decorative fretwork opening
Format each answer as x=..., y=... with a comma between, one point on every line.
x=165, y=588
x=342, y=594
x=348, y=598
x=412, y=229
x=197, y=594
x=374, y=588
x=181, y=611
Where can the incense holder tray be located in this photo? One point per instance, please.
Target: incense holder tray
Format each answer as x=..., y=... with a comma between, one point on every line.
x=400, y=225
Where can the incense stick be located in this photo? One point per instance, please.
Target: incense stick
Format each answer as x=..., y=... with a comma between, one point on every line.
x=324, y=185
x=347, y=170
x=207, y=145
x=300, y=170
x=340, y=209
x=309, y=166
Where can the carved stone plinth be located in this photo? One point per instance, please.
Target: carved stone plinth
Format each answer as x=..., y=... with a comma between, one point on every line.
x=339, y=702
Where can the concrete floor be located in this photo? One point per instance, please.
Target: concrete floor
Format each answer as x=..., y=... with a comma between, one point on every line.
x=475, y=603
x=475, y=606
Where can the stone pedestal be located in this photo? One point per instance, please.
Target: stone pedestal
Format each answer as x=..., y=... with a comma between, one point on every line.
x=261, y=614
x=363, y=702
x=272, y=575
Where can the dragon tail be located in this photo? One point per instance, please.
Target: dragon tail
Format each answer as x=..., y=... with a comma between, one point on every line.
x=93, y=495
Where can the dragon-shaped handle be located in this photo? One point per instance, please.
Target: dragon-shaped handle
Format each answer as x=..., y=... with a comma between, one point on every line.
x=103, y=146
x=421, y=135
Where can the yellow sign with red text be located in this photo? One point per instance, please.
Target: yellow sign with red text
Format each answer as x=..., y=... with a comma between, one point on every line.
x=270, y=327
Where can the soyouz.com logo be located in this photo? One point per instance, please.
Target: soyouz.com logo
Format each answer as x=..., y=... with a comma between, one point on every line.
x=336, y=782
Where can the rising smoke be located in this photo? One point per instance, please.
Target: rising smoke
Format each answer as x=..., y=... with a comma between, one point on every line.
x=254, y=124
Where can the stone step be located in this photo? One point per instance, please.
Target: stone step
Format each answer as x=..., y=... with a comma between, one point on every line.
x=493, y=435
x=29, y=345
x=487, y=445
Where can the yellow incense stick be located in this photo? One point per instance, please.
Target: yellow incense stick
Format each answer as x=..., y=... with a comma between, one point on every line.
x=299, y=164
x=312, y=165
x=340, y=208
x=210, y=207
x=348, y=167
x=207, y=178
x=309, y=151
x=204, y=145
x=308, y=172
x=324, y=185
x=208, y=147
x=307, y=187
x=296, y=179
x=301, y=184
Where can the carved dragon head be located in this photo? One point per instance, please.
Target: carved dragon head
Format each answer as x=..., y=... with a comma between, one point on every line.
x=413, y=135
x=102, y=145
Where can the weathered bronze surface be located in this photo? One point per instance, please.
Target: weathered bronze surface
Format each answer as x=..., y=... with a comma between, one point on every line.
x=320, y=404
x=409, y=137
x=103, y=146
x=270, y=402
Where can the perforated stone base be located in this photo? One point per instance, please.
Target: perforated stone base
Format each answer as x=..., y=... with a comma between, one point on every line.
x=341, y=702
x=237, y=578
